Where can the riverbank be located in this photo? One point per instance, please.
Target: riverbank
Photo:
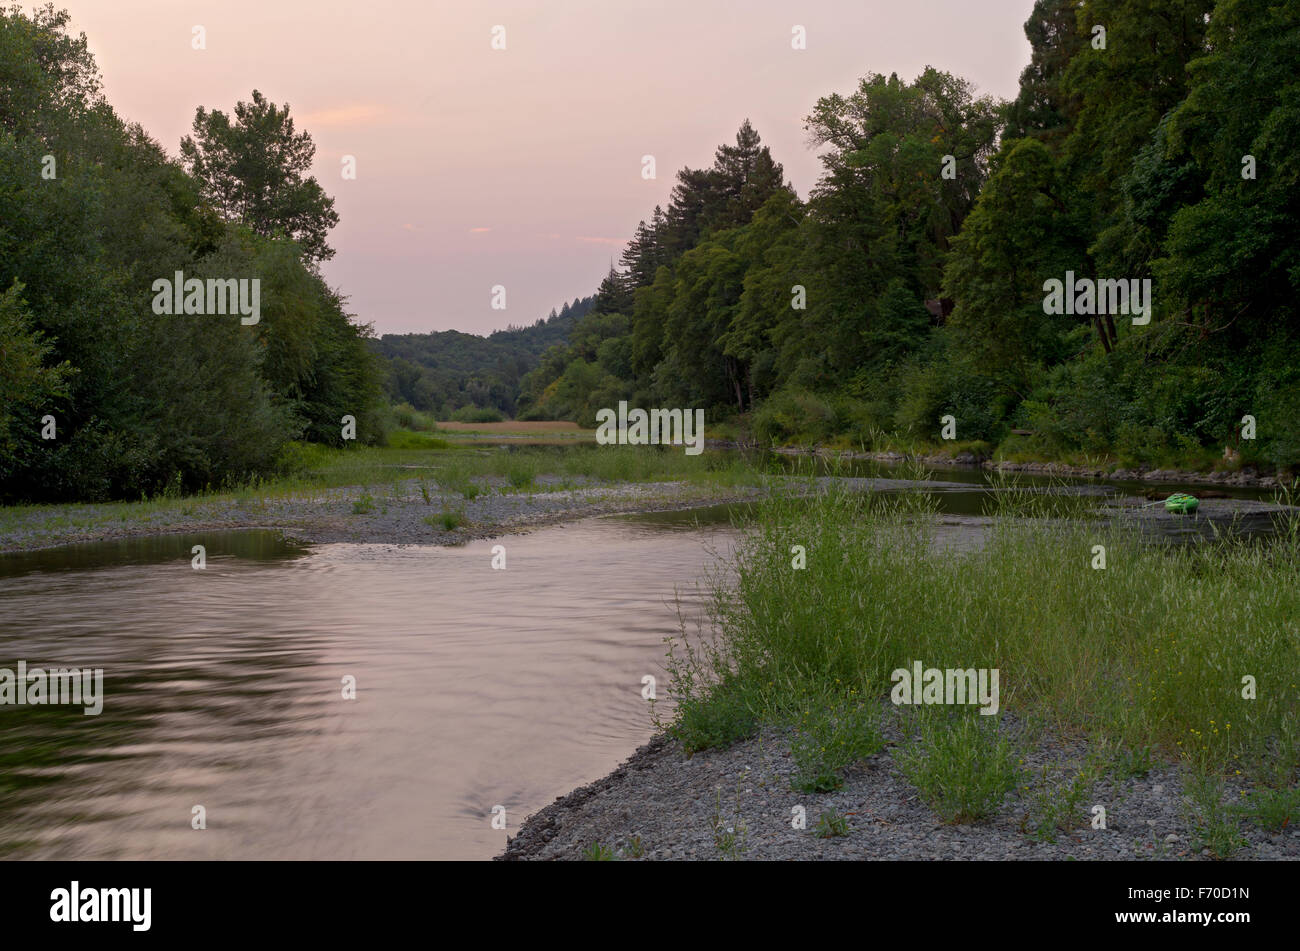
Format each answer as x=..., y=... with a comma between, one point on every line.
x=385, y=514
x=1244, y=477
x=424, y=493
x=409, y=512
x=1147, y=703
x=737, y=803
x=1040, y=612
x=433, y=493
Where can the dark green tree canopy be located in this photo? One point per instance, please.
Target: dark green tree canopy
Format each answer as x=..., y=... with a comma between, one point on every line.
x=910, y=284
x=254, y=170
x=143, y=401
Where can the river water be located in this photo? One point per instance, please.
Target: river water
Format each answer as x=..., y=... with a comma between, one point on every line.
x=476, y=688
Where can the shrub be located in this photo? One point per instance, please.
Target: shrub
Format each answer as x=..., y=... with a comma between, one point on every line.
x=831, y=824
x=793, y=415
x=830, y=736
x=477, y=414
x=960, y=764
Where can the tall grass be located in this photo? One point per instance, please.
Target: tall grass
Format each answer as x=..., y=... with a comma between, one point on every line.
x=523, y=468
x=308, y=468
x=962, y=765
x=1150, y=651
x=657, y=464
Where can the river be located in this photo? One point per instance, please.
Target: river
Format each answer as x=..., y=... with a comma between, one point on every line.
x=476, y=688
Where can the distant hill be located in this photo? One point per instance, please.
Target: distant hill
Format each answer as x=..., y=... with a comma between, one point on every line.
x=441, y=372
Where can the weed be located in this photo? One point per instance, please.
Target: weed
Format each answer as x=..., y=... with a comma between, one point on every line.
x=831, y=824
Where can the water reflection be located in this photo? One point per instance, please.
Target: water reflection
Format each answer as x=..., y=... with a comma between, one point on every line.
x=475, y=687
x=223, y=688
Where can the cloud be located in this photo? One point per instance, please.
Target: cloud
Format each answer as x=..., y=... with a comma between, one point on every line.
x=479, y=230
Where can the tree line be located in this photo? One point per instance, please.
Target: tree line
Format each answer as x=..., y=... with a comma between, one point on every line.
x=1148, y=141
x=446, y=371
x=101, y=397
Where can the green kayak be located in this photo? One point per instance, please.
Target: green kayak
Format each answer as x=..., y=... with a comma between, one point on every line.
x=1181, y=503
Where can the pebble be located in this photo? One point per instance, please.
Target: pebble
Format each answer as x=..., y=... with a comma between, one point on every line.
x=659, y=788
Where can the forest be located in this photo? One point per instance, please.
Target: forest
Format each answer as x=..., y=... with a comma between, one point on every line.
x=446, y=371
x=1152, y=144
x=100, y=396
x=1150, y=141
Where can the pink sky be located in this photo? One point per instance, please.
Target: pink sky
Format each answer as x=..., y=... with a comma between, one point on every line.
x=520, y=167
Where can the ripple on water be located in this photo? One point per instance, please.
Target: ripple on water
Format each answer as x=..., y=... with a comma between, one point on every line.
x=475, y=688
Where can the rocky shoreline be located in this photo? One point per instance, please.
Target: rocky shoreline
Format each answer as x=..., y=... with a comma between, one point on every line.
x=393, y=514
x=367, y=515
x=397, y=515
x=661, y=804
x=738, y=803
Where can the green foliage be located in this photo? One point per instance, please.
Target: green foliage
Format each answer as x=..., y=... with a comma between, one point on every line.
x=883, y=216
x=831, y=824
x=1215, y=823
x=477, y=414
x=793, y=415
x=1019, y=234
x=906, y=287
x=1134, y=655
x=730, y=834
x=1043, y=109
x=448, y=520
x=917, y=294
x=961, y=765
x=250, y=170
x=941, y=381
x=829, y=736
x=143, y=401
x=28, y=388
x=1272, y=808
x=682, y=285
x=405, y=439
x=1060, y=807
x=709, y=717
x=406, y=416
x=1232, y=259
x=522, y=473
x=596, y=852
x=440, y=372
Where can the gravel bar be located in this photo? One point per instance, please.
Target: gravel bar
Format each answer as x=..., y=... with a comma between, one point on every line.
x=681, y=808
